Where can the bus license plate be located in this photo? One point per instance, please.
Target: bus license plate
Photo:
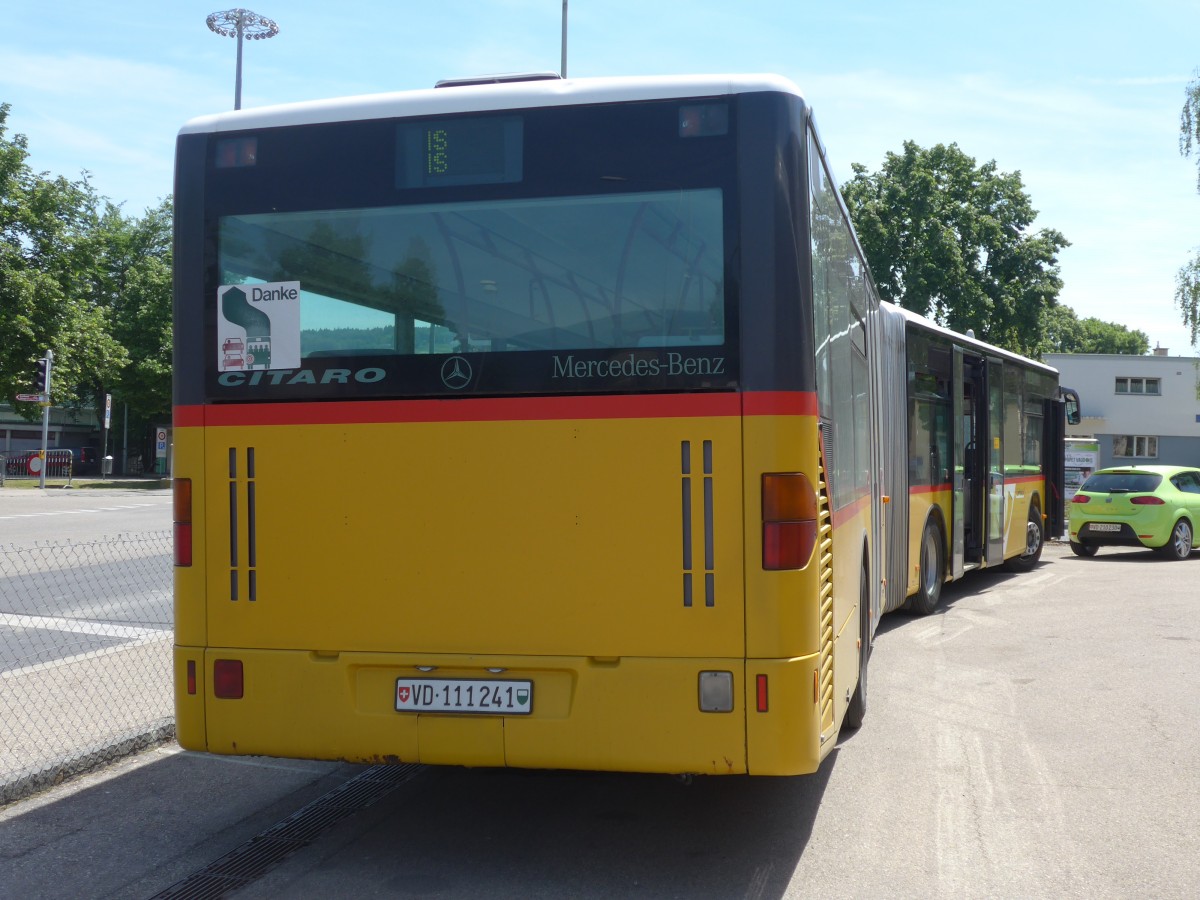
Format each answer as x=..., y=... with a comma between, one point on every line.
x=485, y=696
x=1105, y=526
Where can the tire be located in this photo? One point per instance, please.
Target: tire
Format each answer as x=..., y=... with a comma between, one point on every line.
x=1035, y=540
x=856, y=712
x=1083, y=549
x=1180, y=544
x=932, y=571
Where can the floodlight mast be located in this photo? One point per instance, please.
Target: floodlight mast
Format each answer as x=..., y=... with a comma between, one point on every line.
x=563, y=73
x=241, y=23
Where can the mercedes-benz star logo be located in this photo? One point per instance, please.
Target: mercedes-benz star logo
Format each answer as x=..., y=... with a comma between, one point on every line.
x=456, y=373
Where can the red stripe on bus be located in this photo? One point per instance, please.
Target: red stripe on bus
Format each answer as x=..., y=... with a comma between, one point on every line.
x=927, y=488
x=779, y=403
x=502, y=409
x=1023, y=479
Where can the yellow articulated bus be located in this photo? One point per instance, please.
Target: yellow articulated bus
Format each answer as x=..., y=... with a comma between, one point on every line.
x=546, y=423
x=983, y=451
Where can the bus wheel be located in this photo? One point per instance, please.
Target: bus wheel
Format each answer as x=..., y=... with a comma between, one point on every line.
x=932, y=570
x=1034, y=541
x=856, y=712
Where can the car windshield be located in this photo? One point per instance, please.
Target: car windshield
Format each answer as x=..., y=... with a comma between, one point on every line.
x=1122, y=483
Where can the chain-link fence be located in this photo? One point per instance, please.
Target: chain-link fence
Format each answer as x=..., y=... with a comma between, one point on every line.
x=85, y=656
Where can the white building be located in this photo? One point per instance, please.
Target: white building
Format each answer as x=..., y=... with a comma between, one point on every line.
x=1141, y=409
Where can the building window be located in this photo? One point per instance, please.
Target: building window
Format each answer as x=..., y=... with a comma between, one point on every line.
x=1146, y=386
x=1126, y=446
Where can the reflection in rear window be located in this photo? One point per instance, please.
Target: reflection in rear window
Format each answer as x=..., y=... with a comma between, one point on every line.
x=1122, y=483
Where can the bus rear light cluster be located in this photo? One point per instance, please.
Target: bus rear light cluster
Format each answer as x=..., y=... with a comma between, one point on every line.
x=182, y=503
x=789, y=511
x=228, y=683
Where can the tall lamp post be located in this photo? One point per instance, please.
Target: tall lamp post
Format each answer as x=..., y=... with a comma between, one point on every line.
x=241, y=23
x=563, y=71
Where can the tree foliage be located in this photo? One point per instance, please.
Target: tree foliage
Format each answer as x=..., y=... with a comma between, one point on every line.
x=1064, y=332
x=80, y=278
x=952, y=240
x=1187, y=280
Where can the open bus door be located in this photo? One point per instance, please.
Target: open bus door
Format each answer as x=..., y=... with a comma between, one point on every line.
x=962, y=488
x=995, y=462
x=978, y=527
x=1058, y=412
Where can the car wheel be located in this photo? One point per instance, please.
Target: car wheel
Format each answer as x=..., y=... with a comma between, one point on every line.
x=931, y=572
x=1180, y=544
x=1083, y=549
x=1034, y=541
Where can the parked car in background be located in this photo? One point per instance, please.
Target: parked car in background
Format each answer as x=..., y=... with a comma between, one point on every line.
x=1137, y=506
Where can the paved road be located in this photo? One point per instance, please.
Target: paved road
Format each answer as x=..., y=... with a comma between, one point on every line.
x=81, y=570
x=29, y=516
x=1037, y=737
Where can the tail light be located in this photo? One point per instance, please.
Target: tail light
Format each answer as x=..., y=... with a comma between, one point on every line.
x=789, y=511
x=228, y=683
x=182, y=502
x=1147, y=501
x=1080, y=498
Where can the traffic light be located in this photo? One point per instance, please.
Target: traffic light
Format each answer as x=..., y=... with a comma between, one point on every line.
x=42, y=383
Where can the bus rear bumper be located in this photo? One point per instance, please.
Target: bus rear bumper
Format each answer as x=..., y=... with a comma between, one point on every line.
x=627, y=714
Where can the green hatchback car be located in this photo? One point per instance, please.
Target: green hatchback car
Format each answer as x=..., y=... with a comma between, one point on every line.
x=1137, y=506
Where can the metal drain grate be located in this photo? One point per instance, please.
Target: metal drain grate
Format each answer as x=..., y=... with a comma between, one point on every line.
x=263, y=852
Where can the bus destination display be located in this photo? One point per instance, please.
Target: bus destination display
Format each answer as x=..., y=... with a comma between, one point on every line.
x=459, y=151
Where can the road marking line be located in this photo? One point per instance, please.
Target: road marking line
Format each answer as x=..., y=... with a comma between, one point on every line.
x=76, y=512
x=151, y=638
x=80, y=626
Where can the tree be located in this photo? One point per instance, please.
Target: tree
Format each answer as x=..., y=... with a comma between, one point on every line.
x=951, y=240
x=44, y=266
x=80, y=278
x=1187, y=280
x=1064, y=332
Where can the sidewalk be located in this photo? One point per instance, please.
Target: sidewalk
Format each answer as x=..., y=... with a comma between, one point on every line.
x=67, y=717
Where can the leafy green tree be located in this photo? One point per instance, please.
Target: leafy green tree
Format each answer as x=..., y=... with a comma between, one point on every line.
x=80, y=278
x=44, y=272
x=1064, y=332
x=1187, y=280
x=136, y=289
x=952, y=240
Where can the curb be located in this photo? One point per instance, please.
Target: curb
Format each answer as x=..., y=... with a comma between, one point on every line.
x=83, y=762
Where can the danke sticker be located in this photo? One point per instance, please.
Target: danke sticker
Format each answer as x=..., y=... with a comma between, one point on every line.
x=258, y=326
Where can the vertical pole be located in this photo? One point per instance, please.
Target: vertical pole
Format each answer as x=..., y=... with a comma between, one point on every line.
x=563, y=71
x=237, y=90
x=46, y=422
x=107, y=422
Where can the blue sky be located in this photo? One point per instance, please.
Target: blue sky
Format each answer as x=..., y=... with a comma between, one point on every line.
x=1083, y=98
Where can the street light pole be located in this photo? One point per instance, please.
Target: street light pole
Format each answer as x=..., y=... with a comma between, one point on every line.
x=563, y=71
x=241, y=23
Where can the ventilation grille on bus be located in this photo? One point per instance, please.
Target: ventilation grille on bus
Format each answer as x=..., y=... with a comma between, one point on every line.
x=243, y=514
x=699, y=551
x=825, y=589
